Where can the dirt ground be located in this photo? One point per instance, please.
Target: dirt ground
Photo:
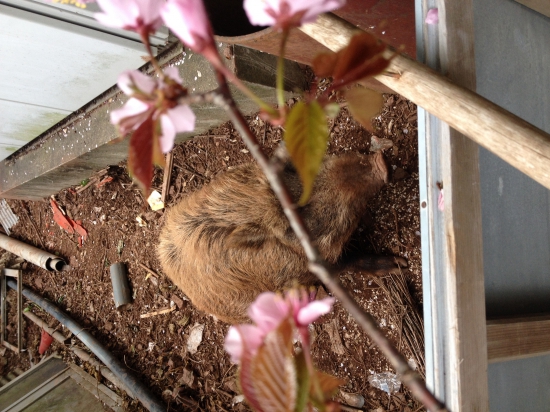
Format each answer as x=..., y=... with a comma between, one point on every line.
x=155, y=348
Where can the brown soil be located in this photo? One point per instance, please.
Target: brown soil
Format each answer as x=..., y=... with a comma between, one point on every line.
x=155, y=347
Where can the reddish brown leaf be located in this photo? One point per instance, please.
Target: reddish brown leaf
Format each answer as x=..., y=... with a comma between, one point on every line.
x=362, y=57
x=246, y=380
x=60, y=218
x=45, y=341
x=77, y=225
x=105, y=181
x=274, y=371
x=328, y=383
x=144, y=149
x=361, y=48
x=324, y=63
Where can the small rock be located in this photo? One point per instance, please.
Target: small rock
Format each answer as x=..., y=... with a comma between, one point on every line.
x=237, y=399
x=109, y=326
x=353, y=399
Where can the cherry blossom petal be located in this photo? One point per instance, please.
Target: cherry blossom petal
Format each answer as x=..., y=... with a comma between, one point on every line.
x=179, y=119
x=240, y=336
x=268, y=310
x=133, y=15
x=189, y=21
x=173, y=73
x=132, y=108
x=314, y=310
x=129, y=80
x=168, y=133
x=441, y=201
x=279, y=12
x=432, y=17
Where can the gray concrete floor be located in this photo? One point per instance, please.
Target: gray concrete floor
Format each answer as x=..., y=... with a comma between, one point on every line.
x=512, y=48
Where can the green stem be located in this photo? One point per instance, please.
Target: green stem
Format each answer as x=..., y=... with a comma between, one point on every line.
x=306, y=349
x=281, y=70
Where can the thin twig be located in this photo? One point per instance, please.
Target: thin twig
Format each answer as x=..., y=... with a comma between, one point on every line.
x=316, y=264
x=152, y=272
x=33, y=224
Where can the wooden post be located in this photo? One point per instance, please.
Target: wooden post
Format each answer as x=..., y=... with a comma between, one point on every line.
x=519, y=143
x=452, y=240
x=517, y=338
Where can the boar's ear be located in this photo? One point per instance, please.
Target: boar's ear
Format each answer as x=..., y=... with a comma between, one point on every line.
x=247, y=236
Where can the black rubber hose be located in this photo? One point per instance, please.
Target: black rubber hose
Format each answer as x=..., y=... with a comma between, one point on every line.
x=120, y=370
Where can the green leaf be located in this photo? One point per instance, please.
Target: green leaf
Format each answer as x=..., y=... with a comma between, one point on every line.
x=364, y=104
x=306, y=138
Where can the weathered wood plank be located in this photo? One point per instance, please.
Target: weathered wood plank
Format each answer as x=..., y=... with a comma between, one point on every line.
x=541, y=6
x=466, y=325
x=517, y=338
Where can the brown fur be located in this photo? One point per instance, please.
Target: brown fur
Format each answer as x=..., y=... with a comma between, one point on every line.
x=229, y=241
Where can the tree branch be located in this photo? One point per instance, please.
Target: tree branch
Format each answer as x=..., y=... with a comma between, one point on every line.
x=317, y=265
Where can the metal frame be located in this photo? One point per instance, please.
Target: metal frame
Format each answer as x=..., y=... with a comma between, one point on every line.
x=17, y=274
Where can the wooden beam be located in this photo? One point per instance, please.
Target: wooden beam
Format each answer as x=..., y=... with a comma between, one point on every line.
x=541, y=6
x=511, y=138
x=518, y=338
x=166, y=177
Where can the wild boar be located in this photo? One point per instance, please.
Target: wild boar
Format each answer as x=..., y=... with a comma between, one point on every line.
x=229, y=241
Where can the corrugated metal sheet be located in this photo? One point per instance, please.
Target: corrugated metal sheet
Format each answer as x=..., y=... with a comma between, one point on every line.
x=7, y=217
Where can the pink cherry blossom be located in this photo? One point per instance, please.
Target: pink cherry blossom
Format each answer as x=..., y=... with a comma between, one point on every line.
x=267, y=312
x=134, y=82
x=432, y=17
x=287, y=13
x=141, y=16
x=241, y=336
x=441, y=201
x=131, y=115
x=189, y=21
x=148, y=99
x=177, y=120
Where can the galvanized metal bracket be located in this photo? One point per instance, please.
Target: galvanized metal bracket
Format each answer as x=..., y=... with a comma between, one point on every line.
x=17, y=274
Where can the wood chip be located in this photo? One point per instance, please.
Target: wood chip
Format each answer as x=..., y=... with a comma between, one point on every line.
x=335, y=340
x=195, y=338
x=157, y=312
